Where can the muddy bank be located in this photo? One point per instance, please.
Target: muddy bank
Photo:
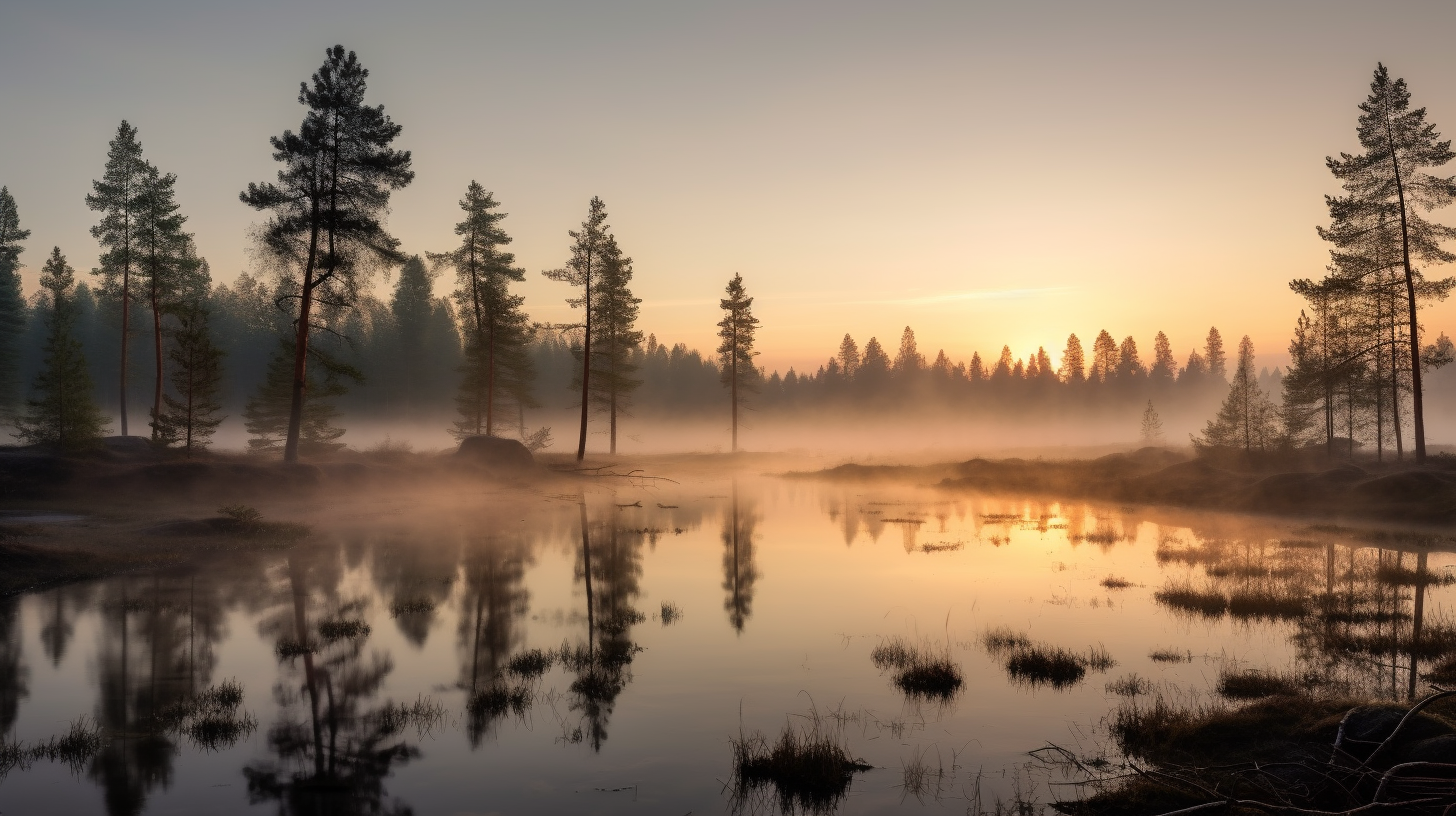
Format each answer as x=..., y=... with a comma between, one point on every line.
x=1292, y=486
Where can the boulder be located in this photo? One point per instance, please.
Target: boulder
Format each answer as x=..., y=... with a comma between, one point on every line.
x=495, y=452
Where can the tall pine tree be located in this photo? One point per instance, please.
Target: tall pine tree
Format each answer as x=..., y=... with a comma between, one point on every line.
x=498, y=368
x=269, y=414
x=13, y=312
x=62, y=413
x=164, y=260
x=735, y=352
x=1247, y=418
x=1391, y=179
x=117, y=196
x=328, y=206
x=616, y=338
x=585, y=269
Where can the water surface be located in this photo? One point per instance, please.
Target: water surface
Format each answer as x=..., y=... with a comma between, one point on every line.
x=783, y=589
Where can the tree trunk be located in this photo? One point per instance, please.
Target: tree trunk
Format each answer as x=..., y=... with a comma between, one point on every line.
x=1417, y=409
x=157, y=346
x=586, y=305
x=300, y=347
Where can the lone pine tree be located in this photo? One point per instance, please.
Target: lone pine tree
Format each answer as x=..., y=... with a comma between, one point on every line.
x=616, y=337
x=328, y=205
x=1391, y=178
x=191, y=413
x=62, y=413
x=585, y=269
x=117, y=196
x=13, y=313
x=497, y=366
x=735, y=352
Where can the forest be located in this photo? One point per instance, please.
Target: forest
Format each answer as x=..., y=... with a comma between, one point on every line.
x=337, y=325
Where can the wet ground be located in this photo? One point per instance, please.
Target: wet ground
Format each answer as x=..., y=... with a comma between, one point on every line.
x=595, y=651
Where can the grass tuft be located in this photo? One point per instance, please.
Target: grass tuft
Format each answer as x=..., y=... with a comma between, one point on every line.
x=1170, y=655
x=808, y=768
x=346, y=629
x=1114, y=582
x=671, y=613
x=920, y=670
x=531, y=663
x=1184, y=598
x=1254, y=684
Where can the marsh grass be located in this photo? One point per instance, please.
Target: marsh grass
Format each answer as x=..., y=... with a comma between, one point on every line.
x=809, y=768
x=531, y=663
x=1265, y=603
x=920, y=670
x=212, y=719
x=287, y=649
x=621, y=621
x=1046, y=665
x=1101, y=535
x=74, y=748
x=1114, y=582
x=1184, y=597
x=1253, y=684
x=1170, y=655
x=498, y=700
x=1130, y=685
x=331, y=631
x=424, y=714
x=943, y=546
x=1038, y=664
x=671, y=613
x=411, y=606
x=920, y=779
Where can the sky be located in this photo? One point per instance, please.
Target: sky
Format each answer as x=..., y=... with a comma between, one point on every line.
x=987, y=173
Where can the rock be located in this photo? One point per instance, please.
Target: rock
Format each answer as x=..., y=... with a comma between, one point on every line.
x=1365, y=727
x=495, y=452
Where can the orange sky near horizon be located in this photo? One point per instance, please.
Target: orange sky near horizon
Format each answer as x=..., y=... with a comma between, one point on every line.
x=986, y=175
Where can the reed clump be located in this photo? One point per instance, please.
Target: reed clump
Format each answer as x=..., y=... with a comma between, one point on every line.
x=331, y=631
x=1038, y=664
x=411, y=606
x=75, y=748
x=531, y=663
x=671, y=613
x=809, y=768
x=1169, y=655
x=921, y=670
x=1114, y=582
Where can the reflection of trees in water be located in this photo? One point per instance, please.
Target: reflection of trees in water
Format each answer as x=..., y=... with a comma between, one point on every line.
x=1358, y=612
x=14, y=676
x=610, y=569
x=156, y=651
x=333, y=750
x=414, y=573
x=61, y=606
x=494, y=601
x=739, y=570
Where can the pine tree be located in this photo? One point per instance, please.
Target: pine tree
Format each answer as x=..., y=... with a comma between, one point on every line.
x=191, y=416
x=1246, y=419
x=908, y=361
x=1129, y=364
x=848, y=356
x=269, y=414
x=977, y=370
x=1390, y=179
x=1074, y=366
x=1002, y=371
x=1165, y=368
x=1152, y=426
x=1213, y=356
x=735, y=353
x=13, y=312
x=117, y=196
x=497, y=331
x=616, y=337
x=1196, y=369
x=1045, y=370
x=584, y=269
x=328, y=206
x=164, y=259
x=62, y=414
x=1104, y=358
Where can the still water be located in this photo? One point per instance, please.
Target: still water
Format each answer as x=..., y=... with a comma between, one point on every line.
x=672, y=617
